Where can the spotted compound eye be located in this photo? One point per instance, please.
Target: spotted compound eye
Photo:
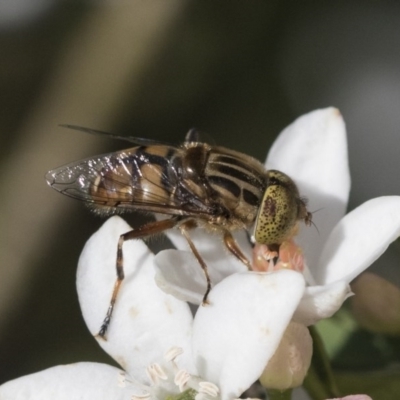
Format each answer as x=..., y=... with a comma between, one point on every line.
x=280, y=209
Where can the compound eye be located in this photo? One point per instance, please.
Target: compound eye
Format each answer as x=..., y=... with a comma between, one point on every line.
x=278, y=212
x=277, y=216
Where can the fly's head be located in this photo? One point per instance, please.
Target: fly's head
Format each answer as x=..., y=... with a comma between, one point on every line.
x=280, y=211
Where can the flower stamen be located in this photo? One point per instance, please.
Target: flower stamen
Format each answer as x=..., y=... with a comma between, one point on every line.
x=156, y=373
x=141, y=397
x=209, y=389
x=172, y=353
x=181, y=379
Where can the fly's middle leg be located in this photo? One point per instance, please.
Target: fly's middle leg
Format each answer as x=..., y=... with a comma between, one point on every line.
x=185, y=232
x=142, y=232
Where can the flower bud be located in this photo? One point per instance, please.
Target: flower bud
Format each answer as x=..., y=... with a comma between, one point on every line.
x=289, y=365
x=376, y=304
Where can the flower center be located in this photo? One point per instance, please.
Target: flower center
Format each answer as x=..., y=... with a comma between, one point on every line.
x=168, y=382
x=290, y=256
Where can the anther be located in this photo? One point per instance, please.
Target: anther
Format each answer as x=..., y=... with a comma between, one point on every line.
x=209, y=389
x=141, y=397
x=172, y=353
x=181, y=379
x=155, y=373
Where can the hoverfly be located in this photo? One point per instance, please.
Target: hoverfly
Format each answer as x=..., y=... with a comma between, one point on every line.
x=196, y=184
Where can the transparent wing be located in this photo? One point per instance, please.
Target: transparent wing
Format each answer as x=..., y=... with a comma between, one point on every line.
x=131, y=139
x=130, y=179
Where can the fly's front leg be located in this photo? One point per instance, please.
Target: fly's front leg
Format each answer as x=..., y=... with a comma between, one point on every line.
x=185, y=232
x=142, y=232
x=234, y=248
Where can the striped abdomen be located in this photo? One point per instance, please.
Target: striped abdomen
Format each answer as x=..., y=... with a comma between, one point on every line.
x=137, y=177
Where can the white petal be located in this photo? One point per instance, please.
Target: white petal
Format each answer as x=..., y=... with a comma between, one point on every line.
x=142, y=310
x=177, y=274
x=180, y=274
x=313, y=151
x=212, y=249
x=359, y=239
x=85, y=381
x=236, y=335
x=321, y=302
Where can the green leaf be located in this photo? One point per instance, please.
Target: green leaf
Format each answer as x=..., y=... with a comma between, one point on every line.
x=320, y=382
x=378, y=385
x=336, y=331
x=273, y=394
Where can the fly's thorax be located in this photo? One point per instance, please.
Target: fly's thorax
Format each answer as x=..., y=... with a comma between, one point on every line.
x=238, y=182
x=192, y=164
x=280, y=210
x=195, y=159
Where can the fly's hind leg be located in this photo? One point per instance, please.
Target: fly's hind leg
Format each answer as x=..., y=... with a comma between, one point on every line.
x=184, y=228
x=142, y=232
x=234, y=248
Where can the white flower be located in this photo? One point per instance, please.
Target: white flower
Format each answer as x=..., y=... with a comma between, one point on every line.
x=162, y=349
x=312, y=151
x=229, y=343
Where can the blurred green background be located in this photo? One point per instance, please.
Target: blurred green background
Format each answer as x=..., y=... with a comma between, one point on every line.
x=239, y=70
